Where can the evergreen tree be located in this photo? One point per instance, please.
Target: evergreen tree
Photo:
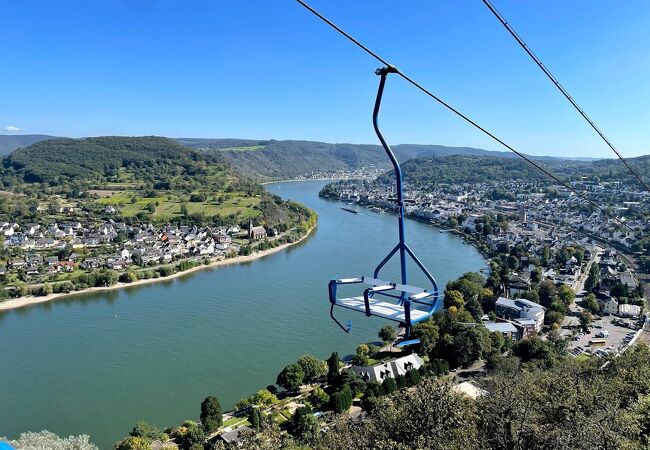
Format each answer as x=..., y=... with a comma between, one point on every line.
x=211, y=414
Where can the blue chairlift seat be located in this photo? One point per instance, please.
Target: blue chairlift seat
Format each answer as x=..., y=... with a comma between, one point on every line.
x=399, y=302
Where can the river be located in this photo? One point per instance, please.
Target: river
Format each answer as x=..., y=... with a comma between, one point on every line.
x=97, y=363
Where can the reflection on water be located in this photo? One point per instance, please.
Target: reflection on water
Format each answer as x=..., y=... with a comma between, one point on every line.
x=96, y=363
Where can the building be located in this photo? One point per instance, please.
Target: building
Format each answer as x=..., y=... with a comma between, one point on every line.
x=389, y=369
x=608, y=305
x=508, y=330
x=255, y=233
x=234, y=437
x=520, y=309
x=625, y=310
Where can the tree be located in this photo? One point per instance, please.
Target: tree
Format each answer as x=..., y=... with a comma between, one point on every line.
x=353, y=380
x=312, y=367
x=361, y=357
x=566, y=294
x=47, y=289
x=333, y=367
x=387, y=334
x=585, y=319
x=48, y=440
x=191, y=436
x=455, y=299
x=211, y=414
x=133, y=443
x=590, y=303
x=413, y=377
x=263, y=398
x=144, y=430
x=341, y=400
x=593, y=279
x=319, y=397
x=184, y=211
x=291, y=377
x=428, y=333
x=255, y=418
x=547, y=291
x=304, y=425
x=389, y=385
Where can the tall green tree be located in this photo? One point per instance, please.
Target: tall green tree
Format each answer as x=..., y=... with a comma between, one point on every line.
x=211, y=414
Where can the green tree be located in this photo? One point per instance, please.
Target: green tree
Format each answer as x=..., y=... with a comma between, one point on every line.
x=413, y=377
x=255, y=418
x=566, y=294
x=291, y=377
x=319, y=397
x=341, y=400
x=361, y=356
x=211, y=414
x=133, y=443
x=585, y=318
x=304, y=425
x=593, y=279
x=264, y=398
x=590, y=304
x=333, y=367
x=192, y=437
x=312, y=367
x=389, y=385
x=144, y=430
x=387, y=334
x=454, y=298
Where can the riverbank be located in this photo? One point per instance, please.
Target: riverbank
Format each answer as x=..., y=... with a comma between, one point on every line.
x=33, y=300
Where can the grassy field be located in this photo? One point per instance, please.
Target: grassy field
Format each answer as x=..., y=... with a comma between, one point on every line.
x=169, y=206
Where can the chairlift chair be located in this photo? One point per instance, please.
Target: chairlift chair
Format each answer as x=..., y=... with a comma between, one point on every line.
x=399, y=302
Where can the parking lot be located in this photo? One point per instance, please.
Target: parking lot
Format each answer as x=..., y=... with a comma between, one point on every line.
x=619, y=337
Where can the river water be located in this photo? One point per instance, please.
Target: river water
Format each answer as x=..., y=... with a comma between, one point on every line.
x=97, y=363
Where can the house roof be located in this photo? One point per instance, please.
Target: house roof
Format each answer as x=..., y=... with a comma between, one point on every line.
x=391, y=368
x=503, y=327
x=234, y=435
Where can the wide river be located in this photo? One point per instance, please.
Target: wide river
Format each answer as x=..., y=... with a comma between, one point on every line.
x=97, y=363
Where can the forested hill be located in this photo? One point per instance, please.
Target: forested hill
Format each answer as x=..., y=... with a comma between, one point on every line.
x=10, y=142
x=287, y=159
x=456, y=169
x=57, y=160
x=428, y=171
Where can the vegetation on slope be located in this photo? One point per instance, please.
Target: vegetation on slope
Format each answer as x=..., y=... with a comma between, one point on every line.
x=142, y=178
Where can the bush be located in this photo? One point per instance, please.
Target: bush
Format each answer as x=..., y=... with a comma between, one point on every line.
x=319, y=397
x=389, y=385
x=413, y=377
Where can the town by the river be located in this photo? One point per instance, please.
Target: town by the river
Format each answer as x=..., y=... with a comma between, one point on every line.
x=97, y=363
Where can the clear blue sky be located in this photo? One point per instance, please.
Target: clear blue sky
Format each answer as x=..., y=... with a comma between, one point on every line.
x=268, y=69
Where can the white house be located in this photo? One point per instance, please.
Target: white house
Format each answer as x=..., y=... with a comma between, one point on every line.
x=389, y=369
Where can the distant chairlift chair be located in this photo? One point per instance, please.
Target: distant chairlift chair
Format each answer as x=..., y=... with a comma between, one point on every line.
x=399, y=302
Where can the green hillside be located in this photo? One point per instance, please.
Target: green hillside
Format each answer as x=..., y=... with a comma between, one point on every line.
x=142, y=178
x=271, y=159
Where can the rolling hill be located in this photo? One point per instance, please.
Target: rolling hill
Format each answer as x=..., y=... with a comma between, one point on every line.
x=269, y=159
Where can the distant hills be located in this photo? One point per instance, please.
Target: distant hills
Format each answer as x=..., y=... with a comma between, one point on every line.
x=287, y=159
x=11, y=142
x=56, y=158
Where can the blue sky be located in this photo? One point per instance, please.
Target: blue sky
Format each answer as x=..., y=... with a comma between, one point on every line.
x=268, y=69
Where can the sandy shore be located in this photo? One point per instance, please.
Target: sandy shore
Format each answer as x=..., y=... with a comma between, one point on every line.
x=32, y=300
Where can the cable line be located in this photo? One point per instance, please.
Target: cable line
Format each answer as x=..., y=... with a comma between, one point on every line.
x=564, y=92
x=461, y=115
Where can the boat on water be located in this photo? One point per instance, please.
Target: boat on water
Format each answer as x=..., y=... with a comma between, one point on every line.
x=353, y=211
